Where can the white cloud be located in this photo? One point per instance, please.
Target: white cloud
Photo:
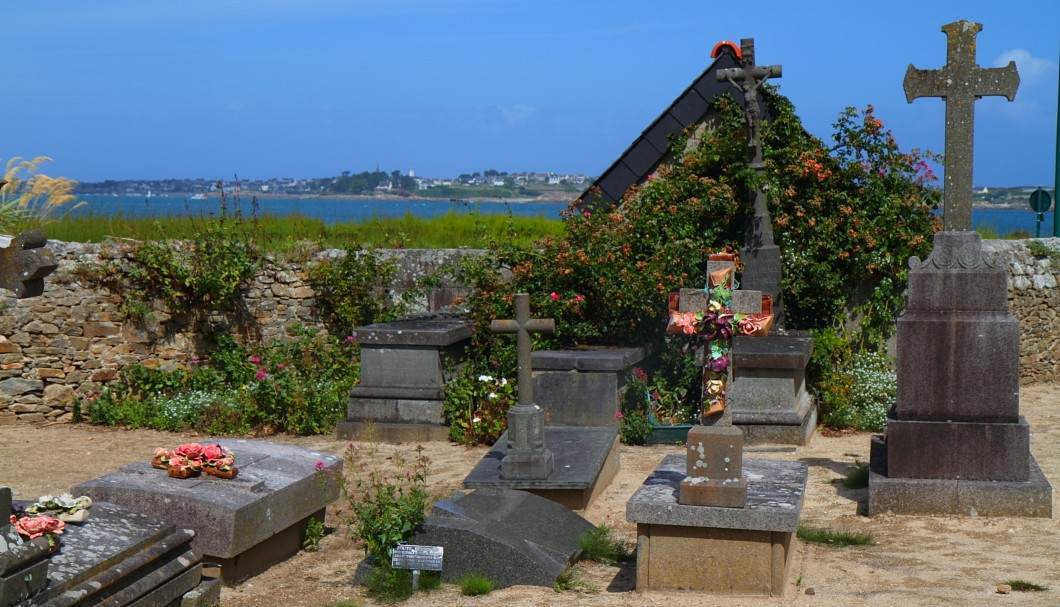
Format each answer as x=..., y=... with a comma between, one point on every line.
x=1033, y=70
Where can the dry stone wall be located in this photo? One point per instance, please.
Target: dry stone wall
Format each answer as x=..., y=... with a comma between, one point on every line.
x=74, y=339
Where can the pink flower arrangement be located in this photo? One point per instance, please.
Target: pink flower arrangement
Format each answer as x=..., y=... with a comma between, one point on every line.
x=33, y=527
x=191, y=458
x=191, y=451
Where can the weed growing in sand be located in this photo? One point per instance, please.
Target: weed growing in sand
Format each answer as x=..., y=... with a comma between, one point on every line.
x=388, y=585
x=572, y=579
x=475, y=584
x=832, y=537
x=601, y=546
x=1025, y=586
x=314, y=532
x=857, y=478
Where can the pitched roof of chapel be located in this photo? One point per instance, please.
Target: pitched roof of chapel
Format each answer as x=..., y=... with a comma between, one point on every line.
x=652, y=147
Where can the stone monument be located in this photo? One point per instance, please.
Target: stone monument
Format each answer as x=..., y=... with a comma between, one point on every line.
x=24, y=262
x=578, y=462
x=955, y=442
x=768, y=394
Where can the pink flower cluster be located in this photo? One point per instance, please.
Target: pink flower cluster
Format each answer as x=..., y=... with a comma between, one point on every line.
x=194, y=456
x=36, y=526
x=576, y=299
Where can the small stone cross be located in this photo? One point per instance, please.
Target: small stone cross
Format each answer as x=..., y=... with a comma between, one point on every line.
x=24, y=262
x=527, y=456
x=960, y=82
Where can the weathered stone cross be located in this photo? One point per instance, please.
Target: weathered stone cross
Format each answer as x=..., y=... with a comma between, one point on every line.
x=749, y=79
x=24, y=262
x=527, y=456
x=960, y=82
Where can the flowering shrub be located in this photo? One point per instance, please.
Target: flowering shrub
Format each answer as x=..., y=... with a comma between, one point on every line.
x=476, y=408
x=388, y=501
x=859, y=396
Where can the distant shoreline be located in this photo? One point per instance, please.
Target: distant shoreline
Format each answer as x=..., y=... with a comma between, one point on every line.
x=243, y=195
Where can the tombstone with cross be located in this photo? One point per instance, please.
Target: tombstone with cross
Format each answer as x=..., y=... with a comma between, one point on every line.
x=527, y=456
x=955, y=442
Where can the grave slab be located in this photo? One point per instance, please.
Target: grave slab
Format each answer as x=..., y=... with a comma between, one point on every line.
x=512, y=537
x=122, y=558
x=403, y=376
x=586, y=461
x=718, y=549
x=246, y=524
x=582, y=387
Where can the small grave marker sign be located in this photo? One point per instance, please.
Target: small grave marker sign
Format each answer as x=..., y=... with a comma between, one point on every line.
x=417, y=558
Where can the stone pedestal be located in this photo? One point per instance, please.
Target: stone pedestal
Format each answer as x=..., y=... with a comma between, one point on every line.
x=714, y=468
x=768, y=393
x=716, y=549
x=586, y=461
x=955, y=442
x=246, y=524
x=403, y=365
x=527, y=458
x=583, y=387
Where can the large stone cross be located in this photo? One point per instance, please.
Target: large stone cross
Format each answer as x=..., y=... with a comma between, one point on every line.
x=24, y=262
x=527, y=456
x=960, y=82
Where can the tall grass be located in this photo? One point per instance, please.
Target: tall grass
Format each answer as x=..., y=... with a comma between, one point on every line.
x=276, y=234
x=33, y=196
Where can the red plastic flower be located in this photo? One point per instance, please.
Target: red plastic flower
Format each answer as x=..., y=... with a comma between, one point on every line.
x=36, y=526
x=190, y=451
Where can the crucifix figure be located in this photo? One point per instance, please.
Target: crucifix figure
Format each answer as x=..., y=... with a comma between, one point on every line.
x=527, y=456
x=960, y=82
x=24, y=262
x=760, y=255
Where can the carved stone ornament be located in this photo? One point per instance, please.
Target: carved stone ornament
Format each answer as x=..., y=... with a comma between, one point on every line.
x=955, y=250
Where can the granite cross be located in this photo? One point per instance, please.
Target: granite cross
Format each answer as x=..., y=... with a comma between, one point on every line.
x=960, y=82
x=527, y=457
x=24, y=262
x=748, y=79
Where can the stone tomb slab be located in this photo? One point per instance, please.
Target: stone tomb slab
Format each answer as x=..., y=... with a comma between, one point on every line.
x=400, y=396
x=716, y=549
x=512, y=537
x=768, y=395
x=118, y=557
x=246, y=524
x=586, y=461
x=582, y=387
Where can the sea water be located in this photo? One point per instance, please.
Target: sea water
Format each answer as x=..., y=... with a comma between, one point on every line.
x=334, y=210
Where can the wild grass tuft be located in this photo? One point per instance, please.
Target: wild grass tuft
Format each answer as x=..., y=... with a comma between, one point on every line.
x=857, y=478
x=388, y=585
x=601, y=546
x=572, y=579
x=475, y=584
x=832, y=537
x=1025, y=586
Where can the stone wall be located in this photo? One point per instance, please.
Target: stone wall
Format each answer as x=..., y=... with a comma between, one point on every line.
x=73, y=339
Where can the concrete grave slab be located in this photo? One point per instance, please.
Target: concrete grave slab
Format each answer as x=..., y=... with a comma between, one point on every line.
x=512, y=537
x=586, y=461
x=246, y=524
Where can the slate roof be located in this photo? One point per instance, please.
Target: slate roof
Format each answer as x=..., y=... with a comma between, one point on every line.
x=651, y=148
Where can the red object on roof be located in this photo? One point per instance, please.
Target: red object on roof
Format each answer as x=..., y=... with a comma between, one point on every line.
x=726, y=44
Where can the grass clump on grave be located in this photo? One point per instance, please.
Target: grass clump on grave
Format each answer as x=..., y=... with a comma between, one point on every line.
x=856, y=478
x=600, y=545
x=573, y=579
x=475, y=584
x=1024, y=586
x=388, y=585
x=832, y=537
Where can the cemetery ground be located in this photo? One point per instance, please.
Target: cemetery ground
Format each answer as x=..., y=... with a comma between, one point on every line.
x=913, y=561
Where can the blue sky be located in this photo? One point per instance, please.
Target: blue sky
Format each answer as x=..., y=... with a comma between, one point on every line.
x=127, y=89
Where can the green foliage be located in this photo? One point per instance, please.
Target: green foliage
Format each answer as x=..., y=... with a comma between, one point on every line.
x=832, y=537
x=634, y=425
x=601, y=546
x=345, y=603
x=476, y=406
x=387, y=500
x=1024, y=586
x=351, y=291
x=314, y=532
x=388, y=585
x=572, y=579
x=857, y=478
x=859, y=395
x=300, y=385
x=476, y=584
x=1040, y=250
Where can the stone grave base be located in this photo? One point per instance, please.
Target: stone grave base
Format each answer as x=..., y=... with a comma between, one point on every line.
x=246, y=524
x=793, y=428
x=718, y=550
x=583, y=387
x=512, y=537
x=1032, y=498
x=586, y=461
x=391, y=432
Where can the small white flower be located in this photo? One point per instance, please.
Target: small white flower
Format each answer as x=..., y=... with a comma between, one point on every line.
x=476, y=420
x=504, y=381
x=485, y=378
x=493, y=395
